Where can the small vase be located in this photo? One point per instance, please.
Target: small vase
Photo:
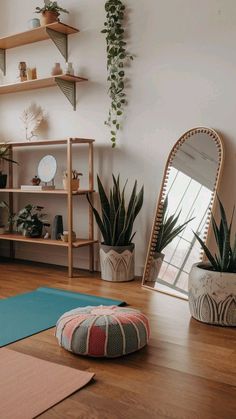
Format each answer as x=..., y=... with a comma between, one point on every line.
x=57, y=70
x=69, y=69
x=57, y=228
x=33, y=23
x=48, y=17
x=2, y=230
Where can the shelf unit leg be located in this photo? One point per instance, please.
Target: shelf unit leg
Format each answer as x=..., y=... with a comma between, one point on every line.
x=70, y=209
x=11, y=201
x=91, y=218
x=3, y=60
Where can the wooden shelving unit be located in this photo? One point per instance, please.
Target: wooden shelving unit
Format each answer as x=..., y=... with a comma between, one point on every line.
x=70, y=245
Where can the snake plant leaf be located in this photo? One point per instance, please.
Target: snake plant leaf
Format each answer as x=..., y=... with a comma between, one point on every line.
x=103, y=198
x=99, y=221
x=132, y=200
x=218, y=233
x=207, y=252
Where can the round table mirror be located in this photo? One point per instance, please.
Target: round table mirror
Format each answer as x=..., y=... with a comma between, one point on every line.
x=47, y=168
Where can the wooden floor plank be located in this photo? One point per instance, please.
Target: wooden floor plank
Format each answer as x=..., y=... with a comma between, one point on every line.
x=187, y=371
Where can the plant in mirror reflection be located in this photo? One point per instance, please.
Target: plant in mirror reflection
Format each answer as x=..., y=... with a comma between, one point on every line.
x=168, y=228
x=225, y=260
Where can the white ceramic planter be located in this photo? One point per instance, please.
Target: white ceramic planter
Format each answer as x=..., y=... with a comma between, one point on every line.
x=212, y=296
x=155, y=266
x=117, y=263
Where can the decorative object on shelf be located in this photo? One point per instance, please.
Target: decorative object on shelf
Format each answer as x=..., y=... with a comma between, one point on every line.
x=33, y=23
x=10, y=216
x=30, y=221
x=47, y=169
x=23, y=71
x=103, y=331
x=116, y=226
x=31, y=73
x=117, y=57
x=212, y=286
x=65, y=236
x=57, y=70
x=5, y=156
x=69, y=69
x=169, y=229
x=57, y=228
x=36, y=181
x=75, y=181
x=50, y=12
x=32, y=117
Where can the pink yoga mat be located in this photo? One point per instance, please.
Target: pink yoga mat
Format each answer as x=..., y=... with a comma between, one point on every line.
x=29, y=386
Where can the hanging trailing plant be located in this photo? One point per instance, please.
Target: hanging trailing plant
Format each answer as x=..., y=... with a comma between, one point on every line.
x=117, y=57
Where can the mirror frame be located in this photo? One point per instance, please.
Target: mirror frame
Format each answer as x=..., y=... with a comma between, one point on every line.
x=159, y=207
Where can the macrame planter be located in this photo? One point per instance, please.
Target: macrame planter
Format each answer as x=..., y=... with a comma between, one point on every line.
x=117, y=263
x=212, y=296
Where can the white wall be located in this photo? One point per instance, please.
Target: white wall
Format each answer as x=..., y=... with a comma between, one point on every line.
x=183, y=76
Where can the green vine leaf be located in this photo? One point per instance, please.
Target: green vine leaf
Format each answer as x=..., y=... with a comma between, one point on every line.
x=117, y=57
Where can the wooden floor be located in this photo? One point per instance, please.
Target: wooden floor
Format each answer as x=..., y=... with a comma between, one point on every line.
x=187, y=371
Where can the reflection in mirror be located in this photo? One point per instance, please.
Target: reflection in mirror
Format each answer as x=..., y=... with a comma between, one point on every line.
x=186, y=199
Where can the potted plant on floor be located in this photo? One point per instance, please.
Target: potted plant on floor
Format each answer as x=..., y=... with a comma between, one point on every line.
x=212, y=285
x=116, y=226
x=50, y=12
x=168, y=230
x=30, y=221
x=5, y=156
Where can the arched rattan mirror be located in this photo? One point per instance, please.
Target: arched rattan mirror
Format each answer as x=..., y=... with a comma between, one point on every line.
x=186, y=199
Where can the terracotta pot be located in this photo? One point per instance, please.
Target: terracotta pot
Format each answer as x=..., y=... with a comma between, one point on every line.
x=75, y=183
x=155, y=266
x=212, y=296
x=117, y=263
x=48, y=17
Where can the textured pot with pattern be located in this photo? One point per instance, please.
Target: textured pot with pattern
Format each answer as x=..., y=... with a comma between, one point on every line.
x=155, y=266
x=212, y=296
x=117, y=263
x=48, y=17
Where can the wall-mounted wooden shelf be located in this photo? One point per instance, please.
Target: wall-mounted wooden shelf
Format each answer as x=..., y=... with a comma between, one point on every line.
x=66, y=83
x=35, y=35
x=48, y=242
x=58, y=32
x=47, y=192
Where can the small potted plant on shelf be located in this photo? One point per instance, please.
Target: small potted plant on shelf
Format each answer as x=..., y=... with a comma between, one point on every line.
x=116, y=226
x=168, y=230
x=4, y=157
x=30, y=221
x=212, y=285
x=50, y=12
x=75, y=181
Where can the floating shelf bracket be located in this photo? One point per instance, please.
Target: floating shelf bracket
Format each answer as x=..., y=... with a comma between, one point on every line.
x=68, y=88
x=60, y=40
x=3, y=60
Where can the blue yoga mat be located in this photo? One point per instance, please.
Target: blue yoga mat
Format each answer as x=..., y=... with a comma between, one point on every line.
x=27, y=314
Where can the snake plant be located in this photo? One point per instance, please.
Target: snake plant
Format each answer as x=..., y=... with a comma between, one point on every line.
x=169, y=228
x=225, y=259
x=117, y=218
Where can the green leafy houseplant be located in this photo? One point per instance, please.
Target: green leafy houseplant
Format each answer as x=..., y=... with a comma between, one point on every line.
x=117, y=219
x=169, y=228
x=51, y=6
x=30, y=221
x=225, y=259
x=117, y=57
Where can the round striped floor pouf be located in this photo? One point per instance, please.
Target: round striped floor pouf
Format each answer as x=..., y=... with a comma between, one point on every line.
x=104, y=331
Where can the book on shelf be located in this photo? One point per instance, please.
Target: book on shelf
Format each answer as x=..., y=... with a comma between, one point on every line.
x=37, y=187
